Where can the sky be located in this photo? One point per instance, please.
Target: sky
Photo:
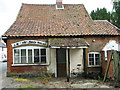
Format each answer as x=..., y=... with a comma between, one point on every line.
x=9, y=8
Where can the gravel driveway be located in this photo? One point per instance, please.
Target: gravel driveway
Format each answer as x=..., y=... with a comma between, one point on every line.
x=37, y=82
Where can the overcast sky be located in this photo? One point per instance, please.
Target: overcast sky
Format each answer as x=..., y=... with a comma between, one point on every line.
x=10, y=8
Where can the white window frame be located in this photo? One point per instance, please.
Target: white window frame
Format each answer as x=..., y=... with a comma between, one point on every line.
x=27, y=48
x=94, y=59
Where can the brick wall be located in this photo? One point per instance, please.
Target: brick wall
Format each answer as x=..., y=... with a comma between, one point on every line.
x=97, y=46
x=21, y=69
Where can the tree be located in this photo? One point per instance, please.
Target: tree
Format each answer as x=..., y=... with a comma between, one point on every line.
x=100, y=14
x=116, y=13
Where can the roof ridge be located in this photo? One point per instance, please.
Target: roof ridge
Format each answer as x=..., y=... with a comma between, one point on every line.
x=48, y=4
x=37, y=4
x=100, y=20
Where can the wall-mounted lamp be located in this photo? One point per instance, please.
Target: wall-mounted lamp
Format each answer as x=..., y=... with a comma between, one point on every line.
x=93, y=40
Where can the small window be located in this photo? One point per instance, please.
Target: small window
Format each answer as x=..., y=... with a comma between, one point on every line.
x=94, y=59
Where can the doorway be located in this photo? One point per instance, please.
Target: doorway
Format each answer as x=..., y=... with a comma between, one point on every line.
x=61, y=62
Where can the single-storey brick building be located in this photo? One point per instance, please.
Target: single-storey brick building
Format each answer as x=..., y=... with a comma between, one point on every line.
x=60, y=39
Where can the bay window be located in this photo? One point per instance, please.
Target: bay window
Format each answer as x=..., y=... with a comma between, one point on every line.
x=29, y=55
x=94, y=59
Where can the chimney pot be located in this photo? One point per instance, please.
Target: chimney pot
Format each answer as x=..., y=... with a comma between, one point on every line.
x=59, y=3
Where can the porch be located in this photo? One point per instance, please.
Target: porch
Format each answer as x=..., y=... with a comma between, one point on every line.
x=67, y=56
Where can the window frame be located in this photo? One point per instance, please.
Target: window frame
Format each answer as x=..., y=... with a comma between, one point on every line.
x=94, y=59
x=27, y=62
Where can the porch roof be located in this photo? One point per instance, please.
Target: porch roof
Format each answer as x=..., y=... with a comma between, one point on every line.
x=68, y=42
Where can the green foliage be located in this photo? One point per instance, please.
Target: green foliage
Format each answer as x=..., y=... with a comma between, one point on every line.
x=100, y=14
x=99, y=78
x=115, y=61
x=103, y=14
x=116, y=16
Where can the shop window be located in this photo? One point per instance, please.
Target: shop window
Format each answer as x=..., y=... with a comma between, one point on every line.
x=94, y=59
x=29, y=56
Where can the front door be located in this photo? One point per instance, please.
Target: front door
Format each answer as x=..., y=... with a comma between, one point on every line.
x=61, y=62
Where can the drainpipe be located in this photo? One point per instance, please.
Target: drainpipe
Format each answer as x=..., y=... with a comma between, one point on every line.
x=84, y=58
x=68, y=64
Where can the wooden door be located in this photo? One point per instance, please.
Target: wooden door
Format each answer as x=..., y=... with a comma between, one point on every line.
x=61, y=62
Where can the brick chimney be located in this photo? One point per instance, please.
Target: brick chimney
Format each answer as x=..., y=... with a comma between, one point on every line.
x=59, y=3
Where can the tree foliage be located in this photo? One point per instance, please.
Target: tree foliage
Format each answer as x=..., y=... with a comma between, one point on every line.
x=103, y=14
x=116, y=13
x=100, y=14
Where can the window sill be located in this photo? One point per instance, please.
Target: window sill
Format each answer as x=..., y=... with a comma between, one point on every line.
x=28, y=64
x=95, y=66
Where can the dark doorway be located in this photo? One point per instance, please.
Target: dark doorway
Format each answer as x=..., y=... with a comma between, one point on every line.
x=61, y=62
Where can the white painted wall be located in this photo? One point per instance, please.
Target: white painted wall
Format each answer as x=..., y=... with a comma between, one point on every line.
x=111, y=45
x=76, y=57
x=52, y=60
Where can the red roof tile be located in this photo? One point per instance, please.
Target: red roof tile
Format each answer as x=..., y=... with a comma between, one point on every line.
x=46, y=20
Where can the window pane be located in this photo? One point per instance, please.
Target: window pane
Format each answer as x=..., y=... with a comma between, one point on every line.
x=30, y=52
x=23, y=52
x=43, y=55
x=91, y=55
x=43, y=59
x=30, y=56
x=23, y=59
x=16, y=56
x=16, y=59
x=23, y=55
x=16, y=52
x=43, y=51
x=36, y=55
x=91, y=61
x=97, y=60
x=97, y=55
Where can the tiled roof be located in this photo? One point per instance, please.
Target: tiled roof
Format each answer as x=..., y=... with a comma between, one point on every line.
x=105, y=27
x=67, y=42
x=46, y=20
